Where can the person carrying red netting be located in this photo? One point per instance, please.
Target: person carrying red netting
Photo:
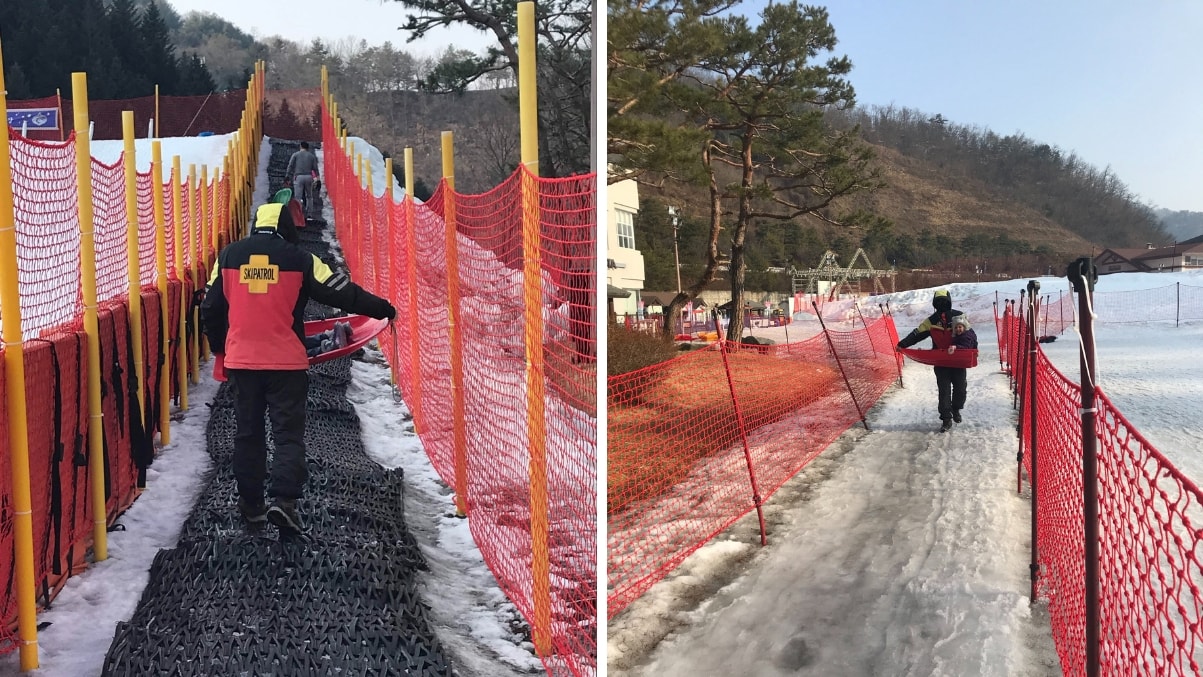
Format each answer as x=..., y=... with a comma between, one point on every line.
x=253, y=315
x=950, y=381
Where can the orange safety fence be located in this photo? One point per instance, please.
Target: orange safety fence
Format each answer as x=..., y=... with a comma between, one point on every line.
x=1149, y=513
x=49, y=286
x=695, y=443
x=509, y=439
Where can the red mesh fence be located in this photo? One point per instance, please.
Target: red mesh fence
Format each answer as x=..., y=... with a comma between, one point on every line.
x=677, y=433
x=1149, y=520
x=473, y=322
x=109, y=236
x=220, y=113
x=56, y=401
x=8, y=602
x=46, y=205
x=46, y=201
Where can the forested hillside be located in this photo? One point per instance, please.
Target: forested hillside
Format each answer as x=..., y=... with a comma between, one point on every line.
x=126, y=47
x=951, y=198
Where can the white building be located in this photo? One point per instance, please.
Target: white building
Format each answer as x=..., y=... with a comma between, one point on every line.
x=624, y=263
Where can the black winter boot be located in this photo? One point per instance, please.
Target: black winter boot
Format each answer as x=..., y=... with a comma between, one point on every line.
x=283, y=514
x=956, y=415
x=254, y=512
x=945, y=427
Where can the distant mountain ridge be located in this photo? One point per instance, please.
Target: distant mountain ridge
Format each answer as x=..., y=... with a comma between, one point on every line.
x=1182, y=224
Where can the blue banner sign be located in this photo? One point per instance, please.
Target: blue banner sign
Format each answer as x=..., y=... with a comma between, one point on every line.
x=33, y=118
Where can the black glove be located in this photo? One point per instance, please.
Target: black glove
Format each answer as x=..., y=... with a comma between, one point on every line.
x=390, y=312
x=899, y=346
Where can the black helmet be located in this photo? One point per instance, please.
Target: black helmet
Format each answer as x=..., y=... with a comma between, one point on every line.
x=942, y=300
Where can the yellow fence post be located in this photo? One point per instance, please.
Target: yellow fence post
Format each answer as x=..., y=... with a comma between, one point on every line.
x=325, y=86
x=156, y=176
x=133, y=254
x=391, y=223
x=459, y=438
x=87, y=254
x=372, y=235
x=193, y=244
x=205, y=242
x=532, y=276
x=155, y=122
x=227, y=222
x=415, y=354
x=14, y=394
x=177, y=220
x=358, y=220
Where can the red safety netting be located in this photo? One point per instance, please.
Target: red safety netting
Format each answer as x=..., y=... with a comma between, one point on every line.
x=56, y=402
x=1149, y=529
x=109, y=236
x=48, y=234
x=46, y=205
x=692, y=442
x=8, y=602
x=480, y=432
x=220, y=113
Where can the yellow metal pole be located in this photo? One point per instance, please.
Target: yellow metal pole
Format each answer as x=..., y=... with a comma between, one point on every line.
x=373, y=236
x=156, y=175
x=87, y=254
x=227, y=222
x=415, y=352
x=131, y=243
x=205, y=242
x=14, y=396
x=325, y=85
x=156, y=120
x=459, y=437
x=193, y=244
x=532, y=284
x=358, y=207
x=391, y=223
x=181, y=343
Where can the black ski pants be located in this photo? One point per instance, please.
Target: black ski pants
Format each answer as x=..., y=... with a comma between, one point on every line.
x=951, y=383
x=281, y=395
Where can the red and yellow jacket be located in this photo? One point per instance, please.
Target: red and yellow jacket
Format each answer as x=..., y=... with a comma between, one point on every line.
x=254, y=307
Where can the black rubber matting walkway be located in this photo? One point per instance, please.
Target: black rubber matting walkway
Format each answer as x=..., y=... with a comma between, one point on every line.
x=229, y=600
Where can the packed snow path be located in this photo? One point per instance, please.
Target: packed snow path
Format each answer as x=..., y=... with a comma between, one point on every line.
x=901, y=551
x=233, y=600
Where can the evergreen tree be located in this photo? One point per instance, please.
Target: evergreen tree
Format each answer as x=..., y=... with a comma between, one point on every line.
x=123, y=31
x=99, y=58
x=194, y=76
x=16, y=83
x=753, y=96
x=156, y=51
x=564, y=66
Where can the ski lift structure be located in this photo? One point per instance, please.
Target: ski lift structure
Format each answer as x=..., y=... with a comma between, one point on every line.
x=830, y=278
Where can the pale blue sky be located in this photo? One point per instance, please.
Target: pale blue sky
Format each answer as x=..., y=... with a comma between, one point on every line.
x=1118, y=83
x=375, y=21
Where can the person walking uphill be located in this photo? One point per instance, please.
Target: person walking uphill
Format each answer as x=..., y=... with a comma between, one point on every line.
x=301, y=173
x=253, y=314
x=950, y=381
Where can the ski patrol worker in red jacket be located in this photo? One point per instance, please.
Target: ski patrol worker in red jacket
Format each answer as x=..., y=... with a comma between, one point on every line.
x=253, y=316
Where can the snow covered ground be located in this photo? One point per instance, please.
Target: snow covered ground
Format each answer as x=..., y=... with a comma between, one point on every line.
x=477, y=624
x=903, y=551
